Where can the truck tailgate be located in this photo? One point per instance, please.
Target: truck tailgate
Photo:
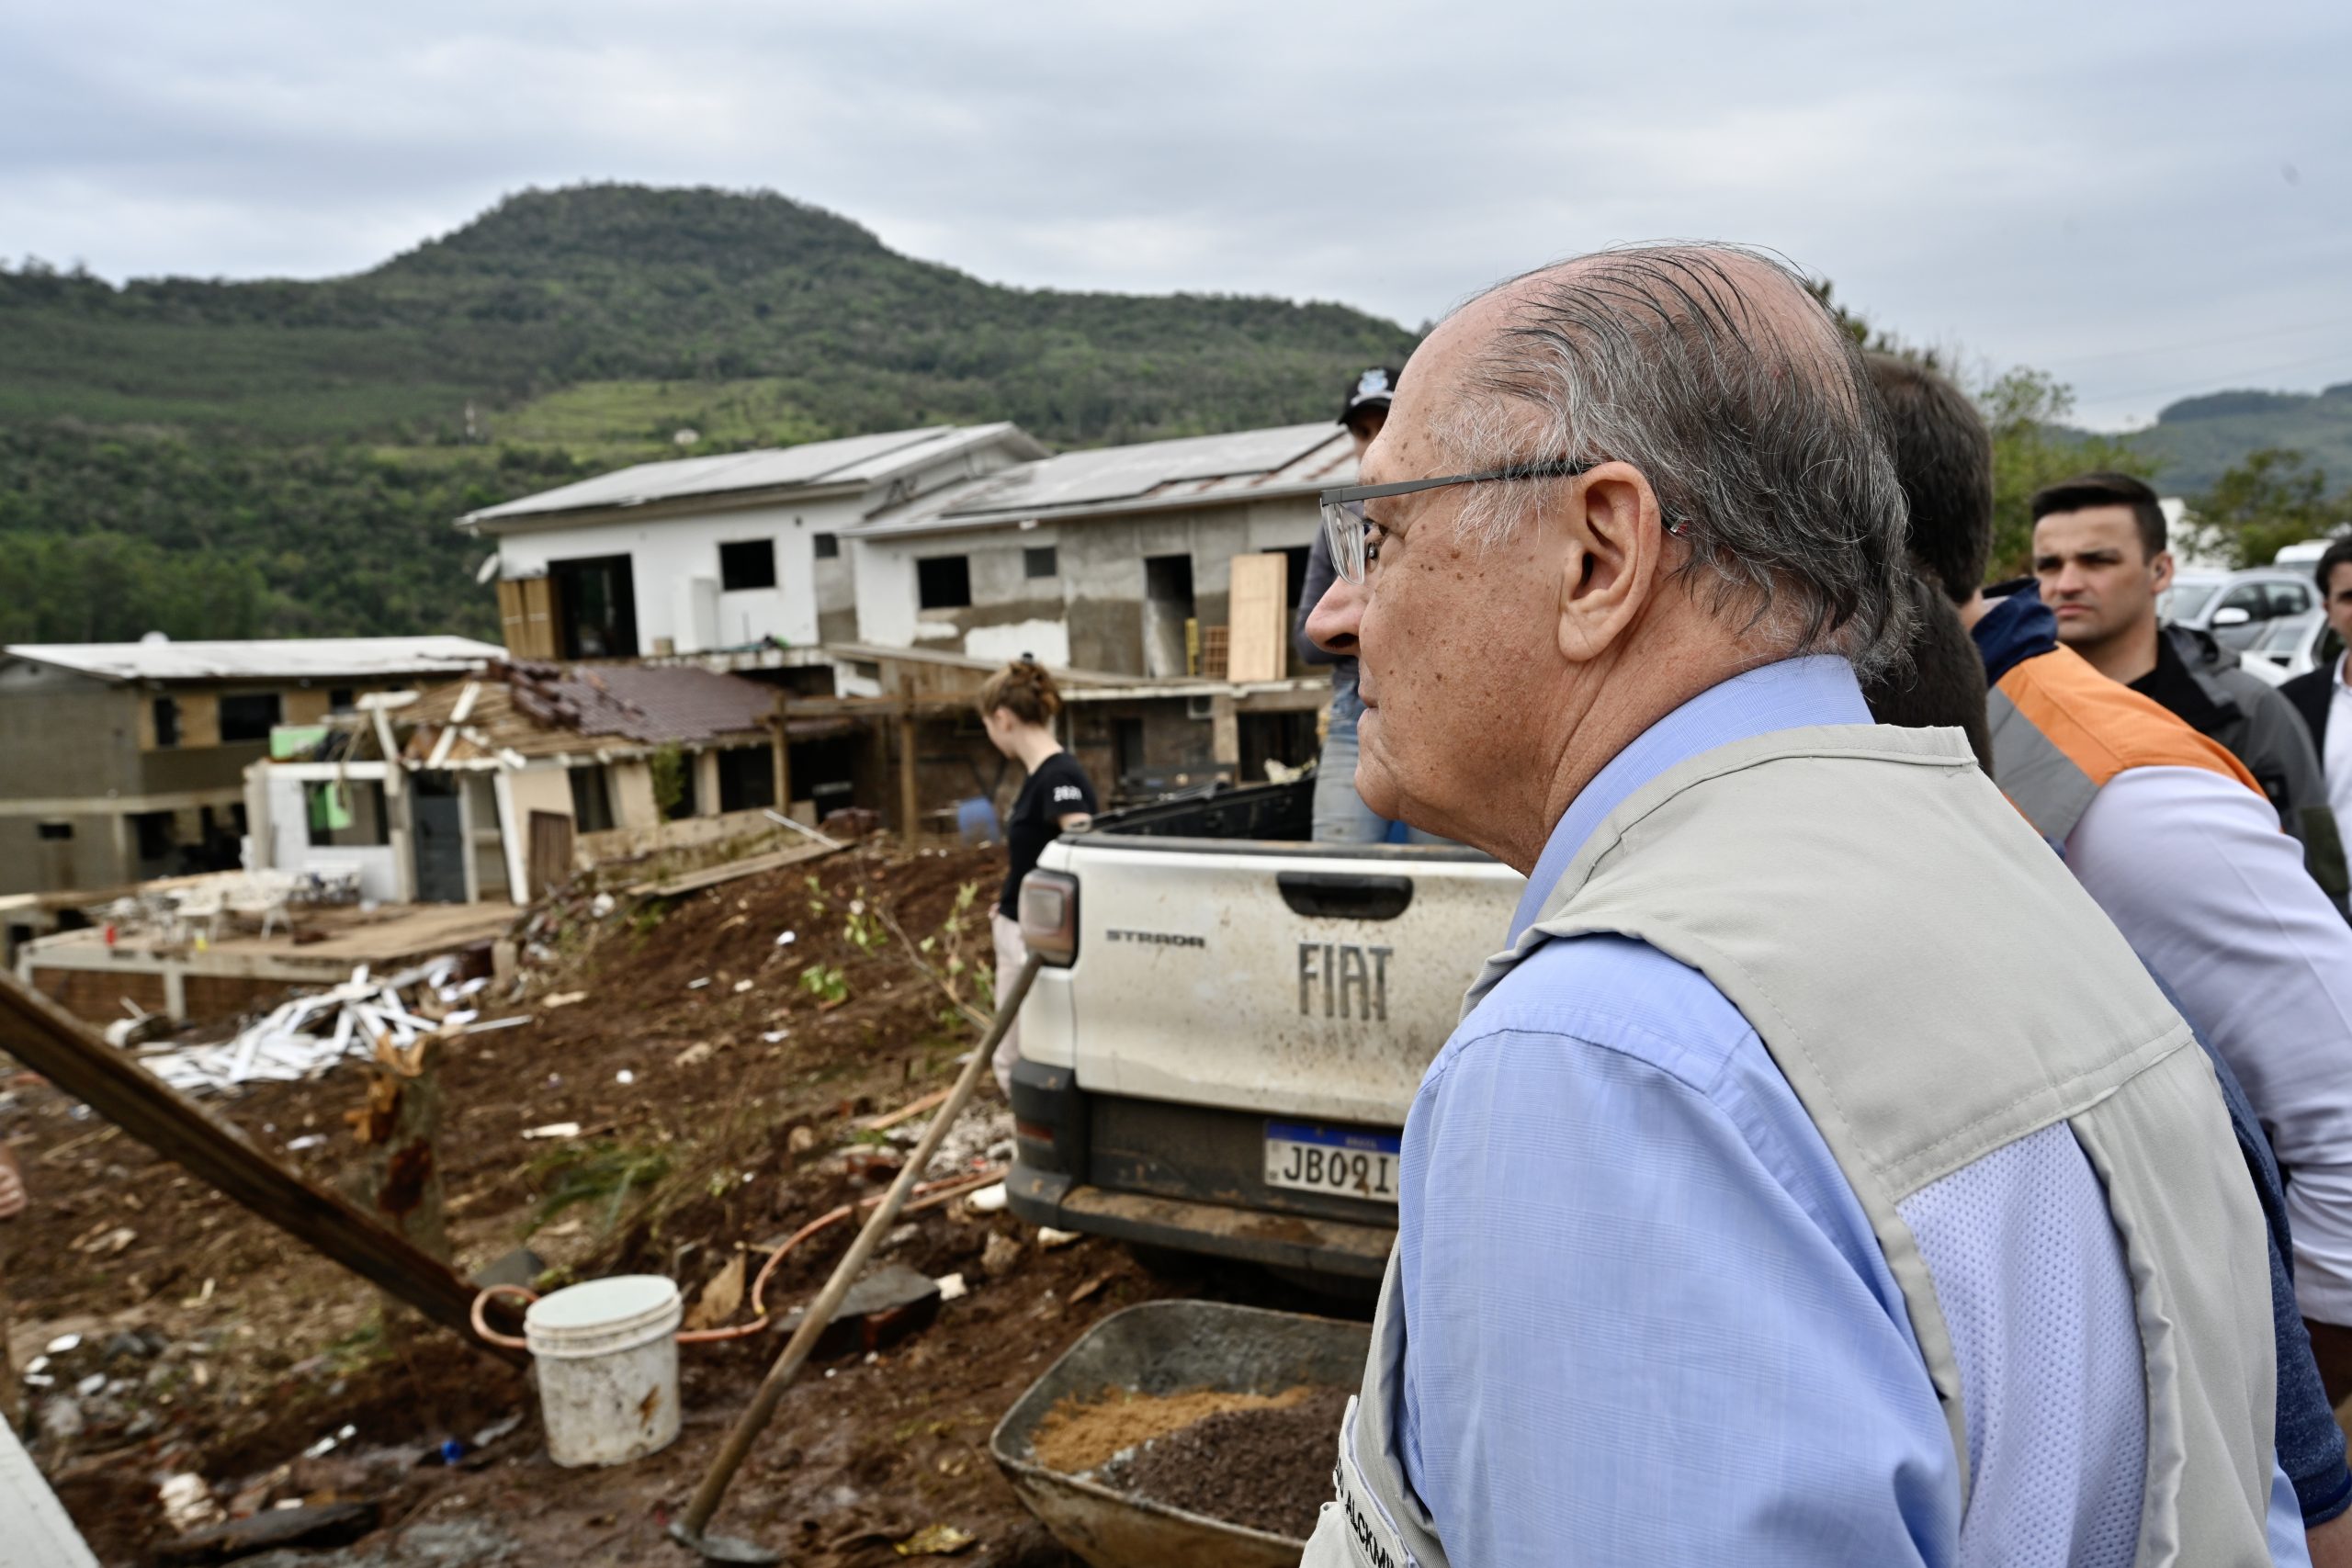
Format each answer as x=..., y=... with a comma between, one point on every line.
x=1306, y=985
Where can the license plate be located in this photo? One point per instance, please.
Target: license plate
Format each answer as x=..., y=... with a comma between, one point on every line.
x=1338, y=1160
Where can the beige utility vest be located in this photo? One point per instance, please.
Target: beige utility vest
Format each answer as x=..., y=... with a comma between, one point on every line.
x=1934, y=985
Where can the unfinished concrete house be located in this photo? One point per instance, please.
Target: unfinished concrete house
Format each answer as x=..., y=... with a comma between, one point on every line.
x=1121, y=559
x=702, y=554
x=122, y=762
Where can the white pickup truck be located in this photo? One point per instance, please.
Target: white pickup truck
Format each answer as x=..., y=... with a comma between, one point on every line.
x=1230, y=1022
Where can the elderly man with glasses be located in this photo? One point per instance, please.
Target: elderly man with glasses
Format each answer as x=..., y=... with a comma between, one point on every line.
x=1815, y=1178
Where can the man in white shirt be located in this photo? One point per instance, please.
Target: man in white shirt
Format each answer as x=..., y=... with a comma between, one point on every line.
x=2324, y=695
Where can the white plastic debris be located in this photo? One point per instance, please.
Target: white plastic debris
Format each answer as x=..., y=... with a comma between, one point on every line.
x=952, y=1287
x=785, y=939
x=305, y=1037
x=603, y=904
x=772, y=1035
x=307, y=1140
x=564, y=999
x=187, y=1502
x=1047, y=1237
x=987, y=1199
x=553, y=1130
x=623, y=1076
x=743, y=986
x=65, y=1343
x=699, y=985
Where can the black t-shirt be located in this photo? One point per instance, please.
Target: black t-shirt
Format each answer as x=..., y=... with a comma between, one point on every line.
x=1055, y=790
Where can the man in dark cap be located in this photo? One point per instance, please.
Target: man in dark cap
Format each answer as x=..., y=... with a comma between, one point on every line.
x=1341, y=815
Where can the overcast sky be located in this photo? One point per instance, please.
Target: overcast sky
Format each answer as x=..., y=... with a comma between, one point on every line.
x=2149, y=201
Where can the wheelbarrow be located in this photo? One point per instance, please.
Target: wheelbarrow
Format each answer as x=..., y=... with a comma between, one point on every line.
x=1163, y=1348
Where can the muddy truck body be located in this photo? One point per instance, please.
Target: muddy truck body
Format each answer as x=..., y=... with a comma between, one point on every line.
x=1230, y=1023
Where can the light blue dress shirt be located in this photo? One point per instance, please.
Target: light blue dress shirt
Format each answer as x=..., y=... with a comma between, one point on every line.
x=1646, y=1320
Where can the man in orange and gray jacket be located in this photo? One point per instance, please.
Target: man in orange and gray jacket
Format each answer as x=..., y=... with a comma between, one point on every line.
x=2176, y=841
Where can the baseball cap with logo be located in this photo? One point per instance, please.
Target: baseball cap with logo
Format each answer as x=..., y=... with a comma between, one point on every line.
x=1372, y=389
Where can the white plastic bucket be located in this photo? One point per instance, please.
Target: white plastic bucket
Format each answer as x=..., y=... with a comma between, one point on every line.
x=608, y=1359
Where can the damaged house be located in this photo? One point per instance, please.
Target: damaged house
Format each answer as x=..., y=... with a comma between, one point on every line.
x=122, y=762
x=499, y=787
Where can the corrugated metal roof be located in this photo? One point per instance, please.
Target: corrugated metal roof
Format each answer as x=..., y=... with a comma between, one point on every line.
x=856, y=460
x=546, y=709
x=1187, y=472
x=285, y=658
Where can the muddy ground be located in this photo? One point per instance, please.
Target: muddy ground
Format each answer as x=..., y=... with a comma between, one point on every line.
x=211, y=1344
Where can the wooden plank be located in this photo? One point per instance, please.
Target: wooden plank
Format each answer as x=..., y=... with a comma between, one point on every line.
x=711, y=877
x=48, y=1040
x=909, y=818
x=550, y=853
x=513, y=623
x=1260, y=617
x=538, y=619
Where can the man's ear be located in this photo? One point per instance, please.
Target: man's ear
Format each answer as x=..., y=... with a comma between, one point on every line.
x=2160, y=570
x=1611, y=544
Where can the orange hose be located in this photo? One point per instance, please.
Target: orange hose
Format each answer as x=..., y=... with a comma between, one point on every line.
x=928, y=1193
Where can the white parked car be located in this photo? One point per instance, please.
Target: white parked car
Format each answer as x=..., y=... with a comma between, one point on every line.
x=2239, y=611
x=2290, y=646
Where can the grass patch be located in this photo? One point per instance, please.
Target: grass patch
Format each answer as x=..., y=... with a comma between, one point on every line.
x=600, y=1172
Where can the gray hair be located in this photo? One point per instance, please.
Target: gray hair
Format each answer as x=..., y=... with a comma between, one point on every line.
x=1759, y=433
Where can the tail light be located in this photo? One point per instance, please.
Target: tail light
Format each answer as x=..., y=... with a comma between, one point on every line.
x=1049, y=917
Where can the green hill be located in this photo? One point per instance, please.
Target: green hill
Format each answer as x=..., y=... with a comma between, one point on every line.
x=2197, y=438
x=277, y=457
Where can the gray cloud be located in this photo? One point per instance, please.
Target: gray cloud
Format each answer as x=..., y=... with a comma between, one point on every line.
x=2106, y=196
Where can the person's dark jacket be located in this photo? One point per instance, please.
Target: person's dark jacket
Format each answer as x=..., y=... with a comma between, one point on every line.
x=2200, y=682
x=2312, y=695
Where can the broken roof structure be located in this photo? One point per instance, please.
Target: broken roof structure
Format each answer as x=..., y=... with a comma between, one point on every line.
x=1194, y=470
x=524, y=710
x=850, y=465
x=280, y=658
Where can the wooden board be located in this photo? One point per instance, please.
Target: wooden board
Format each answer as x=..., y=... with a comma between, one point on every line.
x=46, y=1039
x=551, y=844
x=526, y=617
x=1260, y=617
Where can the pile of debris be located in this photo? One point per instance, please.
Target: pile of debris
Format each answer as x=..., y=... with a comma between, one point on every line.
x=305, y=1037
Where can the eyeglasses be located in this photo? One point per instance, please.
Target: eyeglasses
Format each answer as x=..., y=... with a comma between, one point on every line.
x=1345, y=527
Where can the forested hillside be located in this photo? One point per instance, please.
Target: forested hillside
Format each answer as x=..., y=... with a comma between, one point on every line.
x=2195, y=439
x=284, y=459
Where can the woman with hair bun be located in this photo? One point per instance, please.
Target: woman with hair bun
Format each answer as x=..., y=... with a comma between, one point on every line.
x=1017, y=708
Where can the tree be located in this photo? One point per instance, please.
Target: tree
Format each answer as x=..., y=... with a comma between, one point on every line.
x=2273, y=498
x=2026, y=410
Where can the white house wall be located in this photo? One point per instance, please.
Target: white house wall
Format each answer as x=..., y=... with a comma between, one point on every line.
x=674, y=575
x=291, y=848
